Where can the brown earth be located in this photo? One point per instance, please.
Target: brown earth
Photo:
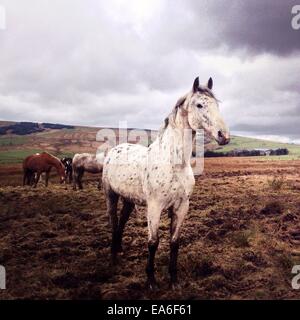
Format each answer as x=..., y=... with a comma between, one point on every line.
x=239, y=241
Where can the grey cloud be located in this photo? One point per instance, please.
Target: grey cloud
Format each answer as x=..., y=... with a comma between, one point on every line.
x=95, y=63
x=256, y=26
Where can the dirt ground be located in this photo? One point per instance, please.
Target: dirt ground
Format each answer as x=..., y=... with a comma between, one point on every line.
x=239, y=241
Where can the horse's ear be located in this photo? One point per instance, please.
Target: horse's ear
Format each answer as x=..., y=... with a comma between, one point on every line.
x=210, y=83
x=180, y=102
x=196, y=84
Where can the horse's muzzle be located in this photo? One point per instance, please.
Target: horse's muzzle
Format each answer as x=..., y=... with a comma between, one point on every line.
x=223, y=139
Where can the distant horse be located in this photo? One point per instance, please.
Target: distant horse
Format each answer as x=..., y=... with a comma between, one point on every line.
x=85, y=162
x=68, y=168
x=153, y=176
x=36, y=164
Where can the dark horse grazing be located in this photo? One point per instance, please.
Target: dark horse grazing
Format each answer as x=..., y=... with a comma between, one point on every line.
x=39, y=163
x=68, y=168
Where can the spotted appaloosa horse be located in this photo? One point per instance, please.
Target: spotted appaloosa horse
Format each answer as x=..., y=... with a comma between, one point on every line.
x=85, y=162
x=36, y=164
x=68, y=169
x=150, y=176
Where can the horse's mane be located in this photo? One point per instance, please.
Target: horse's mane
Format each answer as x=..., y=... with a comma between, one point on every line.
x=170, y=119
x=53, y=157
x=207, y=91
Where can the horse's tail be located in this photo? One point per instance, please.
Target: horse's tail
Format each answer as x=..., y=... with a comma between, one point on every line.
x=100, y=156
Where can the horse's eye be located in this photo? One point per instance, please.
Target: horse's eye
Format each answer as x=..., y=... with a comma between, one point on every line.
x=199, y=105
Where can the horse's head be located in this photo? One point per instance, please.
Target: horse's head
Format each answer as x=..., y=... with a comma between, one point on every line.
x=203, y=112
x=67, y=162
x=62, y=172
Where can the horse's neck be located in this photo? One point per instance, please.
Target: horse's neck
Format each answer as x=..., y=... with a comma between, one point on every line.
x=176, y=142
x=55, y=163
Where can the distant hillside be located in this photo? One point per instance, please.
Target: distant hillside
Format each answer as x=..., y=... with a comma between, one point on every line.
x=24, y=128
x=64, y=140
x=60, y=140
x=251, y=144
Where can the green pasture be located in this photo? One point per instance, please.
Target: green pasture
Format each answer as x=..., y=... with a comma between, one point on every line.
x=17, y=156
x=250, y=144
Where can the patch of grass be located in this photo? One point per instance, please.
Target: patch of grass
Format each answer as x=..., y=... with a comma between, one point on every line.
x=12, y=140
x=241, y=238
x=15, y=156
x=65, y=154
x=273, y=208
x=285, y=261
x=203, y=267
x=260, y=294
x=276, y=183
x=251, y=143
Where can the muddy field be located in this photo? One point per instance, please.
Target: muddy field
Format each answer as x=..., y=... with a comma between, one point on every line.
x=240, y=240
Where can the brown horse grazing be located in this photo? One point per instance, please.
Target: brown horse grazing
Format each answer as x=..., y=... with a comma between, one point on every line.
x=36, y=164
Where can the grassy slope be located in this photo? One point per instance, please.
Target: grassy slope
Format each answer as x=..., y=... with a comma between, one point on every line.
x=12, y=140
x=14, y=148
x=250, y=143
x=16, y=156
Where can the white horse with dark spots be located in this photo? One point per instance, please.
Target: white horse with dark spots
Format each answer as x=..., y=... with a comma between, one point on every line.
x=153, y=176
x=86, y=162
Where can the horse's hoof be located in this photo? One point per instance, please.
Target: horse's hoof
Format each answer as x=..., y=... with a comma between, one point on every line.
x=114, y=259
x=119, y=248
x=152, y=285
x=175, y=286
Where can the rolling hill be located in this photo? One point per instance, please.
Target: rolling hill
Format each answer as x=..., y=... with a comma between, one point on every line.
x=64, y=140
x=238, y=142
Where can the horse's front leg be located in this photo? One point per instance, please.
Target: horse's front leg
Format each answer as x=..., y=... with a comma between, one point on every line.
x=74, y=179
x=70, y=177
x=153, y=217
x=47, y=178
x=36, y=179
x=177, y=215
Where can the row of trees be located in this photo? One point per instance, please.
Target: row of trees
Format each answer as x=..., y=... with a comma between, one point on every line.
x=23, y=128
x=247, y=153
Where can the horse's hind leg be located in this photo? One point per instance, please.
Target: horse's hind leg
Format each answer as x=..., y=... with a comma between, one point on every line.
x=70, y=174
x=75, y=179
x=47, y=178
x=124, y=216
x=24, y=177
x=36, y=179
x=79, y=178
x=77, y=174
x=112, y=206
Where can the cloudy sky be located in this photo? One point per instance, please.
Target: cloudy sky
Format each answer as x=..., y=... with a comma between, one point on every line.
x=93, y=62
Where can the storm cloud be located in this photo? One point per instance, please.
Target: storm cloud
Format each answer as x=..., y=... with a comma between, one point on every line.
x=97, y=63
